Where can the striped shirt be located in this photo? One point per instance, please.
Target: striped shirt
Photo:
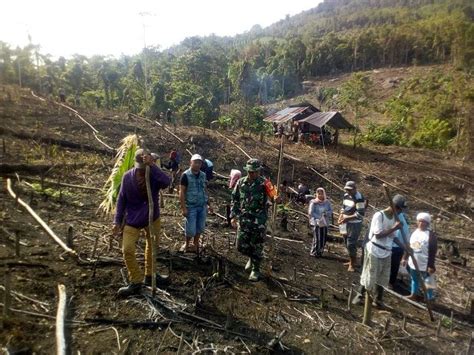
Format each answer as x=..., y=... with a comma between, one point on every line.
x=354, y=205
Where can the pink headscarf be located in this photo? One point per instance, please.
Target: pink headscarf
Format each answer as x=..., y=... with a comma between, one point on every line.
x=324, y=195
x=235, y=175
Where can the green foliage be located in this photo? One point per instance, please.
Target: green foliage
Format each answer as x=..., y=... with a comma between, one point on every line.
x=50, y=191
x=124, y=161
x=200, y=75
x=428, y=111
x=386, y=135
x=432, y=133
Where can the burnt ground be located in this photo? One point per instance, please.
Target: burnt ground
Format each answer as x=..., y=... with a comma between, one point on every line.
x=305, y=296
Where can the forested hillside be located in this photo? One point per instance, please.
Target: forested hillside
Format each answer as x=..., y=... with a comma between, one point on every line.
x=200, y=75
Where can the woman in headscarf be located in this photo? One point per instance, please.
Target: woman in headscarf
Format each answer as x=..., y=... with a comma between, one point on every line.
x=319, y=214
x=424, y=244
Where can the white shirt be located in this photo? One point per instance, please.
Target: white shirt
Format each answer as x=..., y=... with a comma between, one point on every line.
x=419, y=241
x=380, y=222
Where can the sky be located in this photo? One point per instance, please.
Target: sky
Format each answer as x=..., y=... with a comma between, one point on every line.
x=106, y=27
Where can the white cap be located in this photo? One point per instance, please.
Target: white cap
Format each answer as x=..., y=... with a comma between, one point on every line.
x=196, y=157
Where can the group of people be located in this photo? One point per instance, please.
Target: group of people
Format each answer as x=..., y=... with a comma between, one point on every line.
x=295, y=133
x=249, y=211
x=384, y=246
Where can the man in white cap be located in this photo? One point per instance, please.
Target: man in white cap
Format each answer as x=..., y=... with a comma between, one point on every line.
x=353, y=211
x=194, y=201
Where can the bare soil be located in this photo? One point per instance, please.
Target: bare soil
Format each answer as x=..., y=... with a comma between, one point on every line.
x=305, y=296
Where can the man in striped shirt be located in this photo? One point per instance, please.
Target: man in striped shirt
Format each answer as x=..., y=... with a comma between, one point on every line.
x=353, y=211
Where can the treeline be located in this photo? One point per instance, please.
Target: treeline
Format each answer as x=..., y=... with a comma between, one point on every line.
x=201, y=75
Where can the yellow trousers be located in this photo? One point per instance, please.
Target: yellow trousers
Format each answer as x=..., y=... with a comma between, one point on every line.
x=130, y=237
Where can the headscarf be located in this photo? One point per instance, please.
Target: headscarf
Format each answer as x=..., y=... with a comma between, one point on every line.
x=423, y=216
x=235, y=175
x=324, y=195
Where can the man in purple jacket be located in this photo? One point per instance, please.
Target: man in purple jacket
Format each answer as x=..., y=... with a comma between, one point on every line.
x=132, y=213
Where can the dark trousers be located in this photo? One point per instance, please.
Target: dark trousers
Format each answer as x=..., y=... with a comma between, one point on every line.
x=397, y=254
x=319, y=240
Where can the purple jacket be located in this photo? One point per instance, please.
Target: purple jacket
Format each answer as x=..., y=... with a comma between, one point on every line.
x=132, y=205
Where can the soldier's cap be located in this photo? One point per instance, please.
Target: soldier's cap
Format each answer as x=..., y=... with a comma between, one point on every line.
x=253, y=165
x=139, y=157
x=350, y=185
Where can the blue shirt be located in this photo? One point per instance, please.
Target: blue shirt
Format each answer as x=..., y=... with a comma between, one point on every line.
x=398, y=233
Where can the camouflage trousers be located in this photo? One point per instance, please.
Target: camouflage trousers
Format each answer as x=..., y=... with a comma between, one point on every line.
x=250, y=239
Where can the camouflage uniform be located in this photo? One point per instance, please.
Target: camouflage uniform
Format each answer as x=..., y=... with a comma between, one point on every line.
x=249, y=205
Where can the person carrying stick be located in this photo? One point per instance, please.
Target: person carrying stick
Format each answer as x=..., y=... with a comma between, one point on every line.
x=132, y=211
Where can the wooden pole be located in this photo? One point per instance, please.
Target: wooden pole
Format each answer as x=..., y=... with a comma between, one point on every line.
x=151, y=230
x=70, y=236
x=39, y=220
x=367, y=308
x=61, y=346
x=349, y=300
x=275, y=207
x=7, y=294
x=410, y=253
x=17, y=243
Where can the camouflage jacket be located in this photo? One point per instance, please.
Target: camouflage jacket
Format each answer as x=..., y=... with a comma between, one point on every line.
x=249, y=201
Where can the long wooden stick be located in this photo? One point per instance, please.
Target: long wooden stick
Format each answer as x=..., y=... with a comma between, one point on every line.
x=414, y=197
x=39, y=220
x=61, y=346
x=234, y=144
x=275, y=206
x=410, y=253
x=151, y=230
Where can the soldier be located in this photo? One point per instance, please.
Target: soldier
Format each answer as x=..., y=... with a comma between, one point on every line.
x=249, y=206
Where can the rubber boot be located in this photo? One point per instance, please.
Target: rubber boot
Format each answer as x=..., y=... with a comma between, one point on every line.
x=248, y=266
x=130, y=290
x=255, y=274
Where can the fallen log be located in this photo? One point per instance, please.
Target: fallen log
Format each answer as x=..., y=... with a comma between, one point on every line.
x=76, y=113
x=56, y=183
x=133, y=324
x=35, y=169
x=39, y=220
x=55, y=141
x=61, y=346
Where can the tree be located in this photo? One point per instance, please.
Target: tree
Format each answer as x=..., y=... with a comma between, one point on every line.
x=355, y=96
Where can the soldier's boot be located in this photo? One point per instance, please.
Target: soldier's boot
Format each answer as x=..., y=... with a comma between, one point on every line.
x=255, y=274
x=248, y=266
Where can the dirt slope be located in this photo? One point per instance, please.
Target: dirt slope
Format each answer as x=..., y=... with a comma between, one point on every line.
x=289, y=300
